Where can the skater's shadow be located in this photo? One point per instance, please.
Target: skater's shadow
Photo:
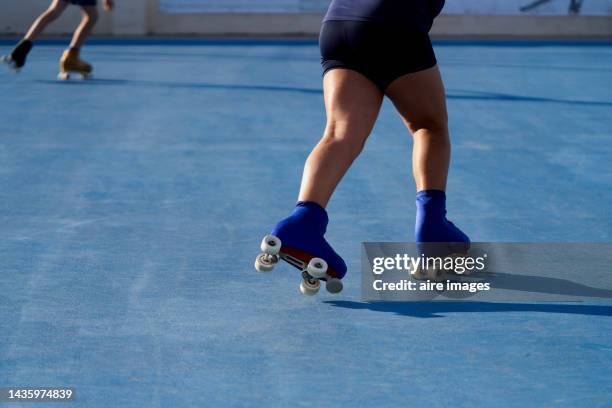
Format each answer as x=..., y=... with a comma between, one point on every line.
x=438, y=309
x=545, y=284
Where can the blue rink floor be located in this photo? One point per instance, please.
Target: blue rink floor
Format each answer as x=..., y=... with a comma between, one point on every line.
x=132, y=207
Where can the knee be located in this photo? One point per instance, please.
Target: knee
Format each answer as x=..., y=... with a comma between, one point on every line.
x=52, y=13
x=436, y=124
x=341, y=135
x=91, y=17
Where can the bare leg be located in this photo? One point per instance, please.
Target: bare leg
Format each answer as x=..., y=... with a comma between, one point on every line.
x=352, y=103
x=421, y=101
x=55, y=10
x=89, y=20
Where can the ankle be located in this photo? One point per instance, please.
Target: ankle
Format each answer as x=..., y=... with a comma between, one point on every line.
x=23, y=47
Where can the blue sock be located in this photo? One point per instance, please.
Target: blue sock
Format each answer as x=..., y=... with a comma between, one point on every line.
x=431, y=224
x=304, y=230
x=308, y=216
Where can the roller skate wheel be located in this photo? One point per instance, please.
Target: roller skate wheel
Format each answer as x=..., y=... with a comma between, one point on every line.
x=265, y=262
x=418, y=274
x=63, y=76
x=84, y=76
x=317, y=268
x=466, y=272
x=270, y=245
x=436, y=275
x=310, y=287
x=10, y=64
x=334, y=285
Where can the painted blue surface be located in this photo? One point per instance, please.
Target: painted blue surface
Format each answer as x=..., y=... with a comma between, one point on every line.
x=132, y=206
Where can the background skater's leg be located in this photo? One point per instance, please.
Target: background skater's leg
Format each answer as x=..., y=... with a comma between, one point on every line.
x=88, y=21
x=71, y=59
x=17, y=57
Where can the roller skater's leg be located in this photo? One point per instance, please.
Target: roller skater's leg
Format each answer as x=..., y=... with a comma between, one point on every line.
x=71, y=61
x=302, y=236
x=55, y=10
x=88, y=21
x=17, y=58
x=421, y=101
x=352, y=103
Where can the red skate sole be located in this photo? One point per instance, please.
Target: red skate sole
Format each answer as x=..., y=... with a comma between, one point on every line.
x=303, y=257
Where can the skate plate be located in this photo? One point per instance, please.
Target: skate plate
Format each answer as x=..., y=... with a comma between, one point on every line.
x=313, y=272
x=437, y=275
x=66, y=76
x=9, y=63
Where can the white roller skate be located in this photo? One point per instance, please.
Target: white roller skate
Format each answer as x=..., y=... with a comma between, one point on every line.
x=71, y=63
x=10, y=64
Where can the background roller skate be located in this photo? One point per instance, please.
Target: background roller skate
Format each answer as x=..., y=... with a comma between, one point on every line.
x=299, y=241
x=10, y=63
x=17, y=58
x=71, y=63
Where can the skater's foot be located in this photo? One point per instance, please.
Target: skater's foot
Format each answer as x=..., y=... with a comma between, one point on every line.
x=17, y=58
x=435, y=235
x=302, y=234
x=432, y=226
x=71, y=62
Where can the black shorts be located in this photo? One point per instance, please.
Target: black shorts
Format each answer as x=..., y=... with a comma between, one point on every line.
x=380, y=52
x=83, y=2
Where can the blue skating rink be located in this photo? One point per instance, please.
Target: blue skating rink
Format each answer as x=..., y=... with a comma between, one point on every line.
x=132, y=207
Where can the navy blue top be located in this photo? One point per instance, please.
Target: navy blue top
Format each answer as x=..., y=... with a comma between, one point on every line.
x=416, y=14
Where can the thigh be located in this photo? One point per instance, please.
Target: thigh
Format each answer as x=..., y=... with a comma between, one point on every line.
x=382, y=53
x=352, y=103
x=356, y=46
x=420, y=99
x=90, y=11
x=58, y=6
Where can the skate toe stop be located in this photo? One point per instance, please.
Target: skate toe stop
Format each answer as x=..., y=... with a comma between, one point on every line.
x=334, y=285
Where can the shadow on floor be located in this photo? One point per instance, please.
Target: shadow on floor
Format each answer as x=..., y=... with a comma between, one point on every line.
x=436, y=309
x=543, y=284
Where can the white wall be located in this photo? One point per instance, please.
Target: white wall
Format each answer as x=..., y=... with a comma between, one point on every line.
x=16, y=17
x=129, y=17
x=142, y=17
